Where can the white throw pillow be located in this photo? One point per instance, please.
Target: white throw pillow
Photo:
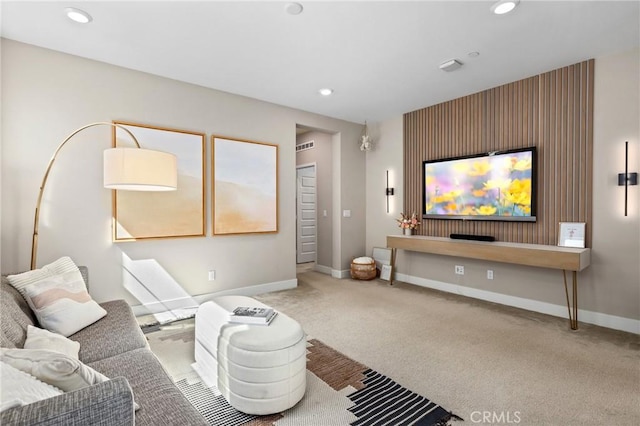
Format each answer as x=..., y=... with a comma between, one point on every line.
x=39, y=338
x=60, y=266
x=19, y=388
x=51, y=367
x=64, y=271
x=62, y=304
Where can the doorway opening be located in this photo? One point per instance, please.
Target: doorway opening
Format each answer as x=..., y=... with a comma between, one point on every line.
x=314, y=199
x=306, y=218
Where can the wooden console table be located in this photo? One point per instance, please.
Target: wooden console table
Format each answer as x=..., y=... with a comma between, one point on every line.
x=542, y=256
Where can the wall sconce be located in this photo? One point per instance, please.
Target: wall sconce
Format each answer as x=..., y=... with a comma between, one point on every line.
x=626, y=179
x=388, y=191
x=365, y=139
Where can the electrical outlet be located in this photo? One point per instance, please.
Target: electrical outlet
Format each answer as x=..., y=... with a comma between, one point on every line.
x=489, y=274
x=459, y=270
x=212, y=275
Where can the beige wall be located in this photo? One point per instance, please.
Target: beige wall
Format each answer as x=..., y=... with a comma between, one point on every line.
x=609, y=290
x=46, y=95
x=612, y=284
x=321, y=156
x=385, y=155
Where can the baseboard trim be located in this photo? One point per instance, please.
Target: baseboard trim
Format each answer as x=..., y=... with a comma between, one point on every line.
x=596, y=318
x=335, y=273
x=188, y=302
x=323, y=269
x=340, y=274
x=254, y=289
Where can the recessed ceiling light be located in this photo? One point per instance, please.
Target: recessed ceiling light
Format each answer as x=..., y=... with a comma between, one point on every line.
x=474, y=54
x=504, y=6
x=326, y=91
x=77, y=15
x=293, y=8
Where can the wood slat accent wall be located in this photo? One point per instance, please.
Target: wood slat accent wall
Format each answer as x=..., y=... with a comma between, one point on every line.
x=551, y=111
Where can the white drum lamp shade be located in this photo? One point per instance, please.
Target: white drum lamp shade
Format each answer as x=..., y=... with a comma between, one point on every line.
x=139, y=169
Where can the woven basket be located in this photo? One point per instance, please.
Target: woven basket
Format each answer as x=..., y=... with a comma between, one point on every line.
x=362, y=269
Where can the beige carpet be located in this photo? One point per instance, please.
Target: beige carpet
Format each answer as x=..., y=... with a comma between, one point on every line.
x=487, y=363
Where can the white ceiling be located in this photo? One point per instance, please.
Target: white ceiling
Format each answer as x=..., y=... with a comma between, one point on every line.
x=381, y=57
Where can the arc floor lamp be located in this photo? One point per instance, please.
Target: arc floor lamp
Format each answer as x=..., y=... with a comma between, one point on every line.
x=125, y=168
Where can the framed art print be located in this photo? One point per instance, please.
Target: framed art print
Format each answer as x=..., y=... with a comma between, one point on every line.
x=571, y=234
x=181, y=213
x=385, y=272
x=245, y=186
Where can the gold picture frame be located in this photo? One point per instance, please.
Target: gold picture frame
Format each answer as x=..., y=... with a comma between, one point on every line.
x=172, y=214
x=245, y=186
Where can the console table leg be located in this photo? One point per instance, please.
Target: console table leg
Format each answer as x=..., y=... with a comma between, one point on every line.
x=393, y=265
x=573, y=313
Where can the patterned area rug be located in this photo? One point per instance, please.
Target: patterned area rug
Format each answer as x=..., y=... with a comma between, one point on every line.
x=377, y=400
x=340, y=391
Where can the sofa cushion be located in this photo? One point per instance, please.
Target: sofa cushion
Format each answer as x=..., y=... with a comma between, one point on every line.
x=54, y=368
x=161, y=402
x=15, y=316
x=115, y=333
x=39, y=338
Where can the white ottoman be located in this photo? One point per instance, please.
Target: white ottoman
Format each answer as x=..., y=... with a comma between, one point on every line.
x=258, y=369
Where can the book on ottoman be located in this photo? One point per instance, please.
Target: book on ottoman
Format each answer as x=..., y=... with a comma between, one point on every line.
x=252, y=315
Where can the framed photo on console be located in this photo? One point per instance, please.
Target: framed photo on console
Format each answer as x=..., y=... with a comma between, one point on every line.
x=571, y=234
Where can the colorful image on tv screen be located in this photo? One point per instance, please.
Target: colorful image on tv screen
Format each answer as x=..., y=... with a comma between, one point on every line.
x=498, y=185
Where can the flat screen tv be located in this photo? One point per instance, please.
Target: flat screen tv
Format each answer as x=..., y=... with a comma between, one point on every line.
x=491, y=186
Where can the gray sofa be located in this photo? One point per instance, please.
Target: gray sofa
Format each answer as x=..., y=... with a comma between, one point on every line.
x=116, y=347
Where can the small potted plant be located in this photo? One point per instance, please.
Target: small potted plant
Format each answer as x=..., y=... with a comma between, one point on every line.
x=408, y=223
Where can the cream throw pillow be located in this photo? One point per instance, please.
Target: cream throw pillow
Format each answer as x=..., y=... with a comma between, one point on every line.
x=62, y=304
x=19, y=388
x=39, y=338
x=54, y=368
x=60, y=266
x=58, y=296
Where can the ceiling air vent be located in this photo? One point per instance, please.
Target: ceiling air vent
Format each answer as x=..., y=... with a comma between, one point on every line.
x=304, y=146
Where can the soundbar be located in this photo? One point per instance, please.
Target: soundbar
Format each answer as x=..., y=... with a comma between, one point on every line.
x=472, y=237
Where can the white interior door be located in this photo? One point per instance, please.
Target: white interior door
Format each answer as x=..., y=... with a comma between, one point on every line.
x=306, y=214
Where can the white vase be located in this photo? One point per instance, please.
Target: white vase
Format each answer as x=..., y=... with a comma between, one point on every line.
x=408, y=231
